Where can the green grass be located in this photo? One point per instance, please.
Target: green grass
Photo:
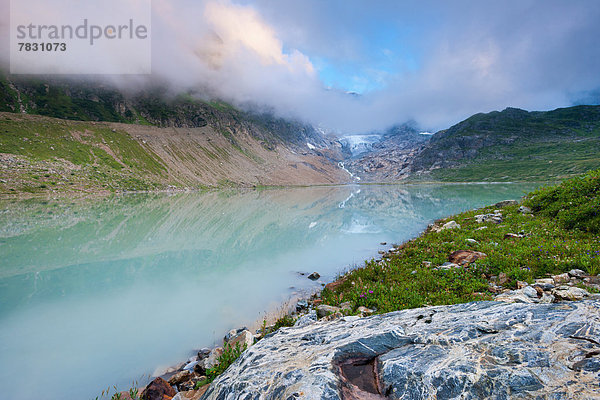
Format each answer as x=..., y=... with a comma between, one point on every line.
x=556, y=242
x=530, y=161
x=47, y=140
x=8, y=97
x=575, y=203
x=100, y=155
x=230, y=354
x=515, y=145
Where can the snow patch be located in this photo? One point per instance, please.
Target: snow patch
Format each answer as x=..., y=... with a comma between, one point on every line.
x=359, y=144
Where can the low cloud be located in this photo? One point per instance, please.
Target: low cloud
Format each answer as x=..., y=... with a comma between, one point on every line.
x=461, y=57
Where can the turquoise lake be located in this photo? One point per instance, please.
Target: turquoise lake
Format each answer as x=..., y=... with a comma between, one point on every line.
x=103, y=292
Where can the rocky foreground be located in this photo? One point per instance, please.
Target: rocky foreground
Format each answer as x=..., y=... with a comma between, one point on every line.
x=491, y=350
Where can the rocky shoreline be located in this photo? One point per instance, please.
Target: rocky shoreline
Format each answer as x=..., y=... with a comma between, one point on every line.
x=330, y=366
x=180, y=381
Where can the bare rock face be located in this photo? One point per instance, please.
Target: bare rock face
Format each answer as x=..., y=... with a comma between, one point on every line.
x=477, y=350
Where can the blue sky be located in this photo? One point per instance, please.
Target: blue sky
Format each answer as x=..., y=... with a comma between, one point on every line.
x=356, y=46
x=387, y=52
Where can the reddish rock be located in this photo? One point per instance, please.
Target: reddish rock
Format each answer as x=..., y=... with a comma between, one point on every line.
x=158, y=389
x=180, y=377
x=462, y=257
x=191, y=394
x=334, y=285
x=539, y=291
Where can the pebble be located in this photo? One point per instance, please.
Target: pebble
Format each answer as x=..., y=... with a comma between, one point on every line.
x=301, y=305
x=190, y=366
x=203, y=352
x=324, y=310
x=544, y=286
x=448, y=265
x=364, y=310
x=561, y=278
x=577, y=273
x=450, y=225
x=530, y=292
x=244, y=337
x=505, y=203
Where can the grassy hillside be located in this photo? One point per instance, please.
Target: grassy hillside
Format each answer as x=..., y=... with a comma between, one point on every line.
x=48, y=155
x=514, y=145
x=40, y=154
x=60, y=135
x=562, y=234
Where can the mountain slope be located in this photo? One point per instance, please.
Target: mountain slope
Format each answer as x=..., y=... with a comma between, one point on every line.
x=41, y=154
x=66, y=136
x=514, y=145
x=389, y=159
x=152, y=105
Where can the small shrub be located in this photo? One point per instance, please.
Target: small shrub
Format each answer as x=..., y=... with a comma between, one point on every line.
x=286, y=320
x=230, y=354
x=562, y=235
x=575, y=203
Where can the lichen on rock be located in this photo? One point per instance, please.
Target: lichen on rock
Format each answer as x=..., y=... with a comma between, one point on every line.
x=476, y=350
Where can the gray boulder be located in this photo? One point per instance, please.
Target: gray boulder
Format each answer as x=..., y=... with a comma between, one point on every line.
x=477, y=350
x=243, y=338
x=525, y=210
x=307, y=319
x=450, y=225
x=505, y=203
x=577, y=273
x=496, y=218
x=531, y=292
x=570, y=293
x=324, y=310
